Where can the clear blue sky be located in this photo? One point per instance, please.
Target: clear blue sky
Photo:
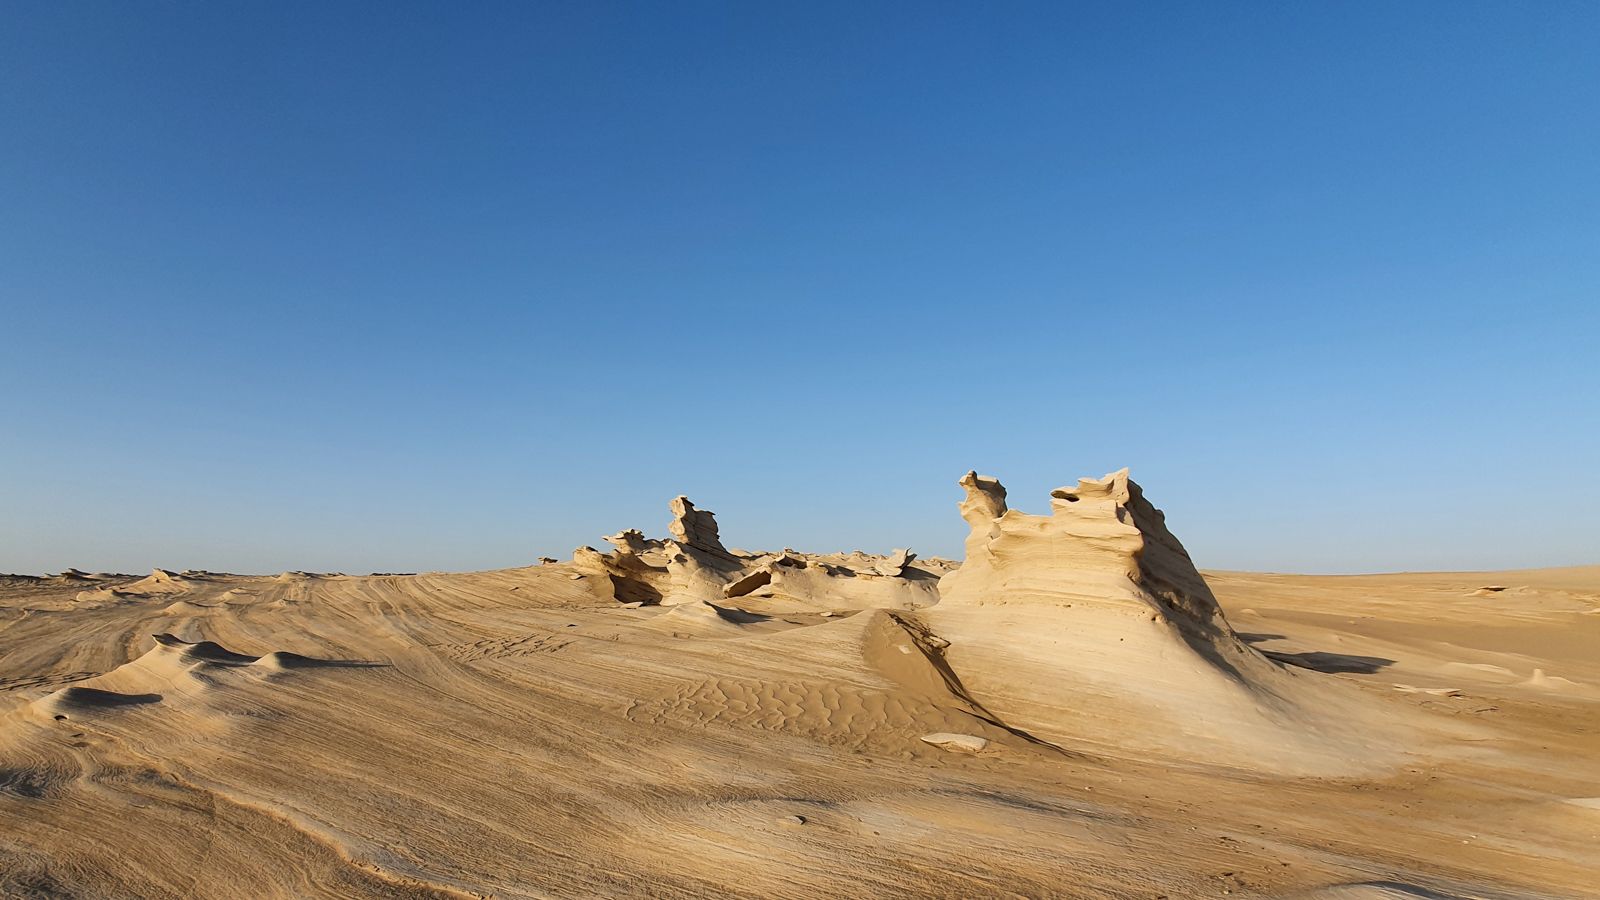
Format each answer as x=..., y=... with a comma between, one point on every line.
x=449, y=286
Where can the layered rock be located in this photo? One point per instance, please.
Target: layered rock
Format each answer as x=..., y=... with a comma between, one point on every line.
x=795, y=582
x=1092, y=626
x=693, y=566
x=895, y=565
x=694, y=528
x=1103, y=544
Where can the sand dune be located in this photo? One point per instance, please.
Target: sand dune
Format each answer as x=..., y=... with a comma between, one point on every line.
x=1073, y=711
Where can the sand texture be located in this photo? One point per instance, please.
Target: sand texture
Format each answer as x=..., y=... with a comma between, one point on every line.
x=1073, y=711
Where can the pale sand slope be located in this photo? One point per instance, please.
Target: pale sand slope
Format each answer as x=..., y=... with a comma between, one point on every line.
x=524, y=733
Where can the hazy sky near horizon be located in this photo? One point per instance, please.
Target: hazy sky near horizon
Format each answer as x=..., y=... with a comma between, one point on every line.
x=360, y=287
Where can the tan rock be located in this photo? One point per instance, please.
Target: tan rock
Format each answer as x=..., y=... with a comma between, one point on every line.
x=1091, y=625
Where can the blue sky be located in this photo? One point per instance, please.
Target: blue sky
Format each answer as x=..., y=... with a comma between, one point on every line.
x=441, y=286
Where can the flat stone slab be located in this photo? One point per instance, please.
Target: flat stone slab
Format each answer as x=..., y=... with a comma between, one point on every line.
x=956, y=743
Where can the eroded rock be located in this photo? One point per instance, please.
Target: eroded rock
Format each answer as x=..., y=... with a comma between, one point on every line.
x=1092, y=624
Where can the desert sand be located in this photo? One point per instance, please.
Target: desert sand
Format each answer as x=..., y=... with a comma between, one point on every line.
x=1073, y=710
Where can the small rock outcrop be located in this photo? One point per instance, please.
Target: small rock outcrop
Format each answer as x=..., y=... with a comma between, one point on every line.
x=985, y=501
x=162, y=581
x=895, y=564
x=956, y=743
x=690, y=566
x=693, y=566
x=694, y=528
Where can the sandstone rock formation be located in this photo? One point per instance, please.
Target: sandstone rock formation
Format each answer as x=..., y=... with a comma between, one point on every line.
x=895, y=565
x=694, y=528
x=693, y=566
x=985, y=502
x=1092, y=625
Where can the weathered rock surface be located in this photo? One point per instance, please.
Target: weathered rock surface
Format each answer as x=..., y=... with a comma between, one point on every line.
x=1092, y=625
x=895, y=565
x=956, y=743
x=693, y=566
x=696, y=528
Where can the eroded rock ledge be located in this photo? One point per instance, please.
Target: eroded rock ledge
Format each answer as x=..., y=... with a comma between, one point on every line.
x=694, y=566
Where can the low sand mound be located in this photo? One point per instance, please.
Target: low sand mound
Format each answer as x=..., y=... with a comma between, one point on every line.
x=210, y=653
x=79, y=699
x=162, y=581
x=702, y=619
x=172, y=668
x=199, y=651
x=77, y=575
x=868, y=680
x=1091, y=626
x=280, y=660
x=101, y=597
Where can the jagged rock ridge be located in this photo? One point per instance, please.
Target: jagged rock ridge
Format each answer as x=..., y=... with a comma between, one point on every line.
x=693, y=566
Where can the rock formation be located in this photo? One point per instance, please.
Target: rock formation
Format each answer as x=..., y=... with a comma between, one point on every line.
x=1103, y=543
x=693, y=566
x=895, y=565
x=1092, y=625
x=162, y=581
x=694, y=528
x=985, y=502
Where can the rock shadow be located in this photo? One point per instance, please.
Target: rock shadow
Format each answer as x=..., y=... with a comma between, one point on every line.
x=1332, y=663
x=95, y=698
x=296, y=661
x=738, y=616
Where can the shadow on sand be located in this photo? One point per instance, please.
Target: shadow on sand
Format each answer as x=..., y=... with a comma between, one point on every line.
x=1319, y=660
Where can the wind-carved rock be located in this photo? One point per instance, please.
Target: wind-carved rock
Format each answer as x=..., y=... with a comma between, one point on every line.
x=1092, y=625
x=696, y=528
x=693, y=566
x=633, y=541
x=629, y=578
x=895, y=564
x=1103, y=542
x=986, y=499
